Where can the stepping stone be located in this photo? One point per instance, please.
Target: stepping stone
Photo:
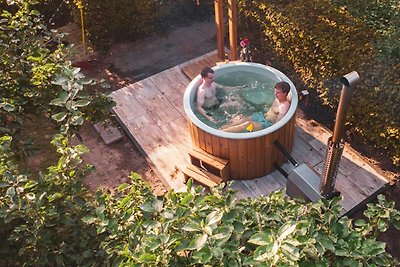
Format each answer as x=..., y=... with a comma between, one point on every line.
x=108, y=132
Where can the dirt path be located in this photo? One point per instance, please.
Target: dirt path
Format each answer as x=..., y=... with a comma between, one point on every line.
x=115, y=162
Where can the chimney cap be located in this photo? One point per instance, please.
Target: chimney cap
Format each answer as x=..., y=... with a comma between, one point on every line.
x=350, y=78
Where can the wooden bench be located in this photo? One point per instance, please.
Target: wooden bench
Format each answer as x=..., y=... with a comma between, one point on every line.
x=202, y=176
x=212, y=164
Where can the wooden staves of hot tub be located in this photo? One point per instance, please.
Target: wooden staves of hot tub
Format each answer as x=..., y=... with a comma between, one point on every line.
x=251, y=155
x=248, y=158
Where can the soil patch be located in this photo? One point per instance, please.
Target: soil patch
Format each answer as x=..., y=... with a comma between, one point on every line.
x=114, y=163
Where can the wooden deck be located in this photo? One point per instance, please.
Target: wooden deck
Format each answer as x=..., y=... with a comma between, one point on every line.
x=151, y=112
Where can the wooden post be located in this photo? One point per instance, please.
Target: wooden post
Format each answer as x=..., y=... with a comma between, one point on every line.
x=219, y=22
x=232, y=30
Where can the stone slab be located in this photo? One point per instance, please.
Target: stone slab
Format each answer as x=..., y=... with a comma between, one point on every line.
x=108, y=132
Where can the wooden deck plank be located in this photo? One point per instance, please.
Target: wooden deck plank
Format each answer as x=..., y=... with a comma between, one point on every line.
x=127, y=106
x=159, y=107
x=304, y=153
x=176, y=132
x=242, y=191
x=159, y=149
x=163, y=81
x=151, y=112
x=262, y=186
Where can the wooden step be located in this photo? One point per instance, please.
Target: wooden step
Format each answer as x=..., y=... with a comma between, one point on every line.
x=202, y=176
x=215, y=165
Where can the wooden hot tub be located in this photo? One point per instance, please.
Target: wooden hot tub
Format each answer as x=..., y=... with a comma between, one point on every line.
x=252, y=154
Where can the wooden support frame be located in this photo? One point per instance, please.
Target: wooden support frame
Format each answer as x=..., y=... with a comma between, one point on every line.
x=233, y=54
x=219, y=22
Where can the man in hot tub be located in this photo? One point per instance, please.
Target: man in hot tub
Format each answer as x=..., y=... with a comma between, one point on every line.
x=206, y=93
x=258, y=120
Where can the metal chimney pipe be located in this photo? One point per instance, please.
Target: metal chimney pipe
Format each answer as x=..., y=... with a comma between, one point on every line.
x=348, y=81
x=336, y=143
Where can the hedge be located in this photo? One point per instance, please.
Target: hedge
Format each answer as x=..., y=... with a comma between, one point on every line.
x=322, y=42
x=120, y=20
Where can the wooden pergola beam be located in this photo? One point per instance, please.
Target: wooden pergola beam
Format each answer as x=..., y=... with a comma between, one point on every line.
x=219, y=23
x=232, y=30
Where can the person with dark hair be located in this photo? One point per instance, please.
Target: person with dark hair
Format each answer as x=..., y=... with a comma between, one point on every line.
x=206, y=93
x=258, y=120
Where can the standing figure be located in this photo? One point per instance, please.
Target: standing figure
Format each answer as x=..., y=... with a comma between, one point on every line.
x=245, y=53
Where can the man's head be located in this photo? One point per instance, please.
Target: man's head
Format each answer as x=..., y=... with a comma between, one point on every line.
x=284, y=87
x=205, y=71
x=207, y=74
x=281, y=90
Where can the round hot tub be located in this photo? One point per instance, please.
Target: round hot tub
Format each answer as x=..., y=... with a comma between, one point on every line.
x=250, y=154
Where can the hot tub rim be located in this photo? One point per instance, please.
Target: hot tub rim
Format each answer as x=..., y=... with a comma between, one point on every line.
x=193, y=118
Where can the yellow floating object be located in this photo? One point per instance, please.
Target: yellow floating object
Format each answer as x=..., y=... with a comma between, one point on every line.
x=250, y=128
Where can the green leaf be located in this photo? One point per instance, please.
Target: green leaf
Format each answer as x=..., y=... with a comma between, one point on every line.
x=189, y=184
x=146, y=207
x=291, y=251
x=191, y=227
x=4, y=185
x=286, y=230
x=59, y=116
x=125, y=200
x=222, y=232
x=10, y=192
x=54, y=196
x=89, y=219
x=61, y=80
x=250, y=261
x=64, y=96
x=203, y=256
x=214, y=217
x=82, y=103
x=187, y=199
x=113, y=225
x=198, y=242
x=147, y=257
x=360, y=223
x=326, y=243
x=85, y=81
x=263, y=252
x=260, y=239
x=8, y=107
x=77, y=120
x=158, y=205
x=56, y=102
x=375, y=248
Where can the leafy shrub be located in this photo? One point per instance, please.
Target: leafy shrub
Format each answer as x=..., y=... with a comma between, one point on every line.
x=193, y=228
x=323, y=42
x=29, y=65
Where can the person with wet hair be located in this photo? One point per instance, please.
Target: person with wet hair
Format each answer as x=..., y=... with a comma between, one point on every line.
x=206, y=93
x=260, y=120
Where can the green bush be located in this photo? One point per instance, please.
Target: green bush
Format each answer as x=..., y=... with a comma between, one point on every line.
x=116, y=20
x=322, y=42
